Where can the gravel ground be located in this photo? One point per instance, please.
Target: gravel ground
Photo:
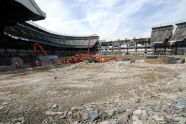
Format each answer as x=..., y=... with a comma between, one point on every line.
x=107, y=93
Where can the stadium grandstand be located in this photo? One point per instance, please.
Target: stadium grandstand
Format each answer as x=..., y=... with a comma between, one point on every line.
x=161, y=34
x=165, y=39
x=18, y=33
x=180, y=32
x=135, y=46
x=169, y=39
x=178, y=40
x=23, y=35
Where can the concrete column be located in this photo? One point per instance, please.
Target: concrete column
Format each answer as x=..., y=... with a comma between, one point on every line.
x=108, y=47
x=145, y=45
x=112, y=47
x=120, y=46
x=100, y=44
x=136, y=45
x=176, y=50
x=165, y=47
x=127, y=47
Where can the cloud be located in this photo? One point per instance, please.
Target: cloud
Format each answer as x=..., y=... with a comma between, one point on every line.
x=110, y=19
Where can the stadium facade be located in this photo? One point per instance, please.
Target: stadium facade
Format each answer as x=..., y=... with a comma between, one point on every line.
x=165, y=40
x=125, y=47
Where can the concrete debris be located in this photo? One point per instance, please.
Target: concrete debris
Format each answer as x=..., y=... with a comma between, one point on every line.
x=54, y=106
x=69, y=113
x=110, y=122
x=139, y=112
x=75, y=122
x=110, y=112
x=64, y=114
x=181, y=105
x=138, y=100
x=48, y=120
x=53, y=113
x=93, y=115
x=157, y=117
x=20, y=120
x=77, y=115
x=120, y=93
x=85, y=115
x=62, y=117
x=1, y=107
x=77, y=108
x=156, y=114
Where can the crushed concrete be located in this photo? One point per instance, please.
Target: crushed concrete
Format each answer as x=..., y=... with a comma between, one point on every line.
x=114, y=92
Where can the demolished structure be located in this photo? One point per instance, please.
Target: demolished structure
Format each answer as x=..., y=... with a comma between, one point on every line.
x=164, y=40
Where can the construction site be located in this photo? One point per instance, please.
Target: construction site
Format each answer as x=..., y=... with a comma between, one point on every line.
x=50, y=78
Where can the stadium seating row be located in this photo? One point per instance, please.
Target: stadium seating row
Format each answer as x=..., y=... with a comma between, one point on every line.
x=166, y=33
x=28, y=32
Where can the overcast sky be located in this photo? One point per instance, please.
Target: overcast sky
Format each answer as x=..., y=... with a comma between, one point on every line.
x=110, y=19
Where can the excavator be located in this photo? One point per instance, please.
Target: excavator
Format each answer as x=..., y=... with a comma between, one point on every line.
x=78, y=58
x=92, y=59
x=43, y=59
x=38, y=45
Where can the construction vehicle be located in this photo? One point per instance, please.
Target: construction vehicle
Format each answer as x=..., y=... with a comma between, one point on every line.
x=80, y=57
x=93, y=58
x=38, y=45
x=90, y=58
x=43, y=59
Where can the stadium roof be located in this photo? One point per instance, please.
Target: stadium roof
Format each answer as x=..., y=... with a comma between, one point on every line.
x=55, y=33
x=13, y=11
x=31, y=33
x=181, y=23
x=163, y=26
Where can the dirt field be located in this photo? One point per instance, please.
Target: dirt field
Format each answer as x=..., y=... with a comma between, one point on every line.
x=26, y=97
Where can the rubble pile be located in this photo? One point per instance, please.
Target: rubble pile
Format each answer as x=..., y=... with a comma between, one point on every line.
x=117, y=111
x=105, y=93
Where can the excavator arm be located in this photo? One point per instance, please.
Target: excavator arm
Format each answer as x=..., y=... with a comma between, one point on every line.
x=38, y=45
